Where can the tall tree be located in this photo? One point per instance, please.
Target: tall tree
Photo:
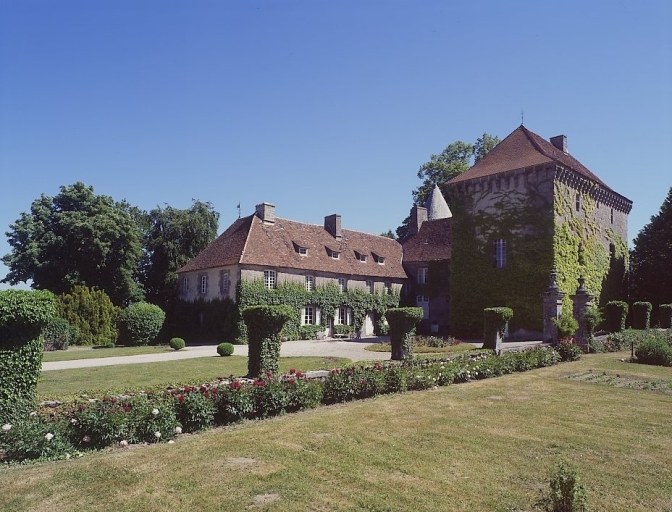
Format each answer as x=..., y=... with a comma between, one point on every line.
x=76, y=237
x=172, y=238
x=483, y=145
x=651, y=258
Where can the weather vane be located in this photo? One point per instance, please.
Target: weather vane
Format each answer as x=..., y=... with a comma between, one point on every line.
x=522, y=117
x=238, y=209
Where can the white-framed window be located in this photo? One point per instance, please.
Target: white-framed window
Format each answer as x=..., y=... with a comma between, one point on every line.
x=343, y=316
x=422, y=301
x=224, y=283
x=310, y=283
x=342, y=284
x=185, y=285
x=303, y=251
x=379, y=259
x=335, y=255
x=204, y=284
x=500, y=253
x=308, y=315
x=422, y=275
x=369, y=286
x=578, y=202
x=360, y=256
x=269, y=279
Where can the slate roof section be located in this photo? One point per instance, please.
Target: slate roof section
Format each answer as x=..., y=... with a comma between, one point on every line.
x=436, y=205
x=520, y=149
x=432, y=243
x=249, y=241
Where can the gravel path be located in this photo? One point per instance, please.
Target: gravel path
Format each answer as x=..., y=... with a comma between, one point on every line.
x=353, y=350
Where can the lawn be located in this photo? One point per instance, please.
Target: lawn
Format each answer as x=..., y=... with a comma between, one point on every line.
x=61, y=384
x=482, y=446
x=92, y=353
x=423, y=349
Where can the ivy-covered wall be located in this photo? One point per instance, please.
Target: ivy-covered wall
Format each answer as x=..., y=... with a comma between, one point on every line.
x=327, y=298
x=589, y=241
x=521, y=213
x=535, y=212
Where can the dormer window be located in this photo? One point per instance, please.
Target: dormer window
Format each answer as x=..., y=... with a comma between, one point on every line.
x=378, y=259
x=360, y=256
x=334, y=255
x=300, y=249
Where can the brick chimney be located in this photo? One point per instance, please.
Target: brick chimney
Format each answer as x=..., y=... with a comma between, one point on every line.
x=332, y=223
x=560, y=142
x=266, y=212
x=418, y=216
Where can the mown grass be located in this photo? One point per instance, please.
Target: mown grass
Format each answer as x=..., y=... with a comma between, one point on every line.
x=482, y=446
x=91, y=353
x=62, y=384
x=423, y=349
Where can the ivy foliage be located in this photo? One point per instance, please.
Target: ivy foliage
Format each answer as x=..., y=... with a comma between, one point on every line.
x=402, y=323
x=495, y=321
x=23, y=314
x=202, y=320
x=140, y=323
x=665, y=314
x=328, y=298
x=91, y=311
x=264, y=324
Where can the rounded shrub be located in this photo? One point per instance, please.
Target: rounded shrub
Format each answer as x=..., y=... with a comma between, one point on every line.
x=641, y=315
x=654, y=351
x=616, y=311
x=91, y=311
x=567, y=325
x=58, y=334
x=402, y=322
x=176, y=343
x=568, y=350
x=140, y=323
x=225, y=349
x=495, y=321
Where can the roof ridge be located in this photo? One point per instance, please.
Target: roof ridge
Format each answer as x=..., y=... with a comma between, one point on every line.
x=247, y=238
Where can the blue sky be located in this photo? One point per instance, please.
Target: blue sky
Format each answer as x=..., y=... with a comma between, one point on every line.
x=321, y=107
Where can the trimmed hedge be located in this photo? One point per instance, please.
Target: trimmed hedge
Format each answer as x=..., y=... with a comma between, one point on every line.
x=495, y=321
x=641, y=315
x=665, y=314
x=616, y=312
x=58, y=334
x=177, y=343
x=23, y=314
x=225, y=349
x=402, y=322
x=264, y=324
x=140, y=323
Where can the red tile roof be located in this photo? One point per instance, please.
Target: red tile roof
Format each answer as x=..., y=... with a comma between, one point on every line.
x=523, y=148
x=431, y=243
x=249, y=241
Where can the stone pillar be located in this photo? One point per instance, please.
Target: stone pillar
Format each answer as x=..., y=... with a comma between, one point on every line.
x=552, y=309
x=582, y=300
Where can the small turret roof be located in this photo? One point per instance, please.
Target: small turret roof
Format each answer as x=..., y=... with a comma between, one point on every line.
x=436, y=205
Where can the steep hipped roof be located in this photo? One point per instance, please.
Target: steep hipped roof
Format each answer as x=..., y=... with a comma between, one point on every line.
x=436, y=205
x=431, y=243
x=250, y=241
x=520, y=149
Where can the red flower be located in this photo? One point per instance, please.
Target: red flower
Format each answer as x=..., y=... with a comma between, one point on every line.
x=292, y=371
x=235, y=384
x=259, y=383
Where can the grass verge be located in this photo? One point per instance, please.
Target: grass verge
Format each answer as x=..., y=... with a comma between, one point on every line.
x=483, y=446
x=61, y=384
x=422, y=349
x=91, y=353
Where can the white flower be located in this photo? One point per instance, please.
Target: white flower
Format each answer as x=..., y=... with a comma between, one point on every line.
x=67, y=456
x=33, y=414
x=157, y=434
x=178, y=430
x=86, y=439
x=6, y=427
x=123, y=442
x=155, y=412
x=73, y=421
x=171, y=442
x=49, y=436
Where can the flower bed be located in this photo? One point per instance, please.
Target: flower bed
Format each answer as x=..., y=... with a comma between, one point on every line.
x=71, y=429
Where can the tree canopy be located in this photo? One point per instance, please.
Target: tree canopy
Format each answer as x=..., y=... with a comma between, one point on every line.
x=172, y=238
x=651, y=258
x=456, y=158
x=76, y=237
